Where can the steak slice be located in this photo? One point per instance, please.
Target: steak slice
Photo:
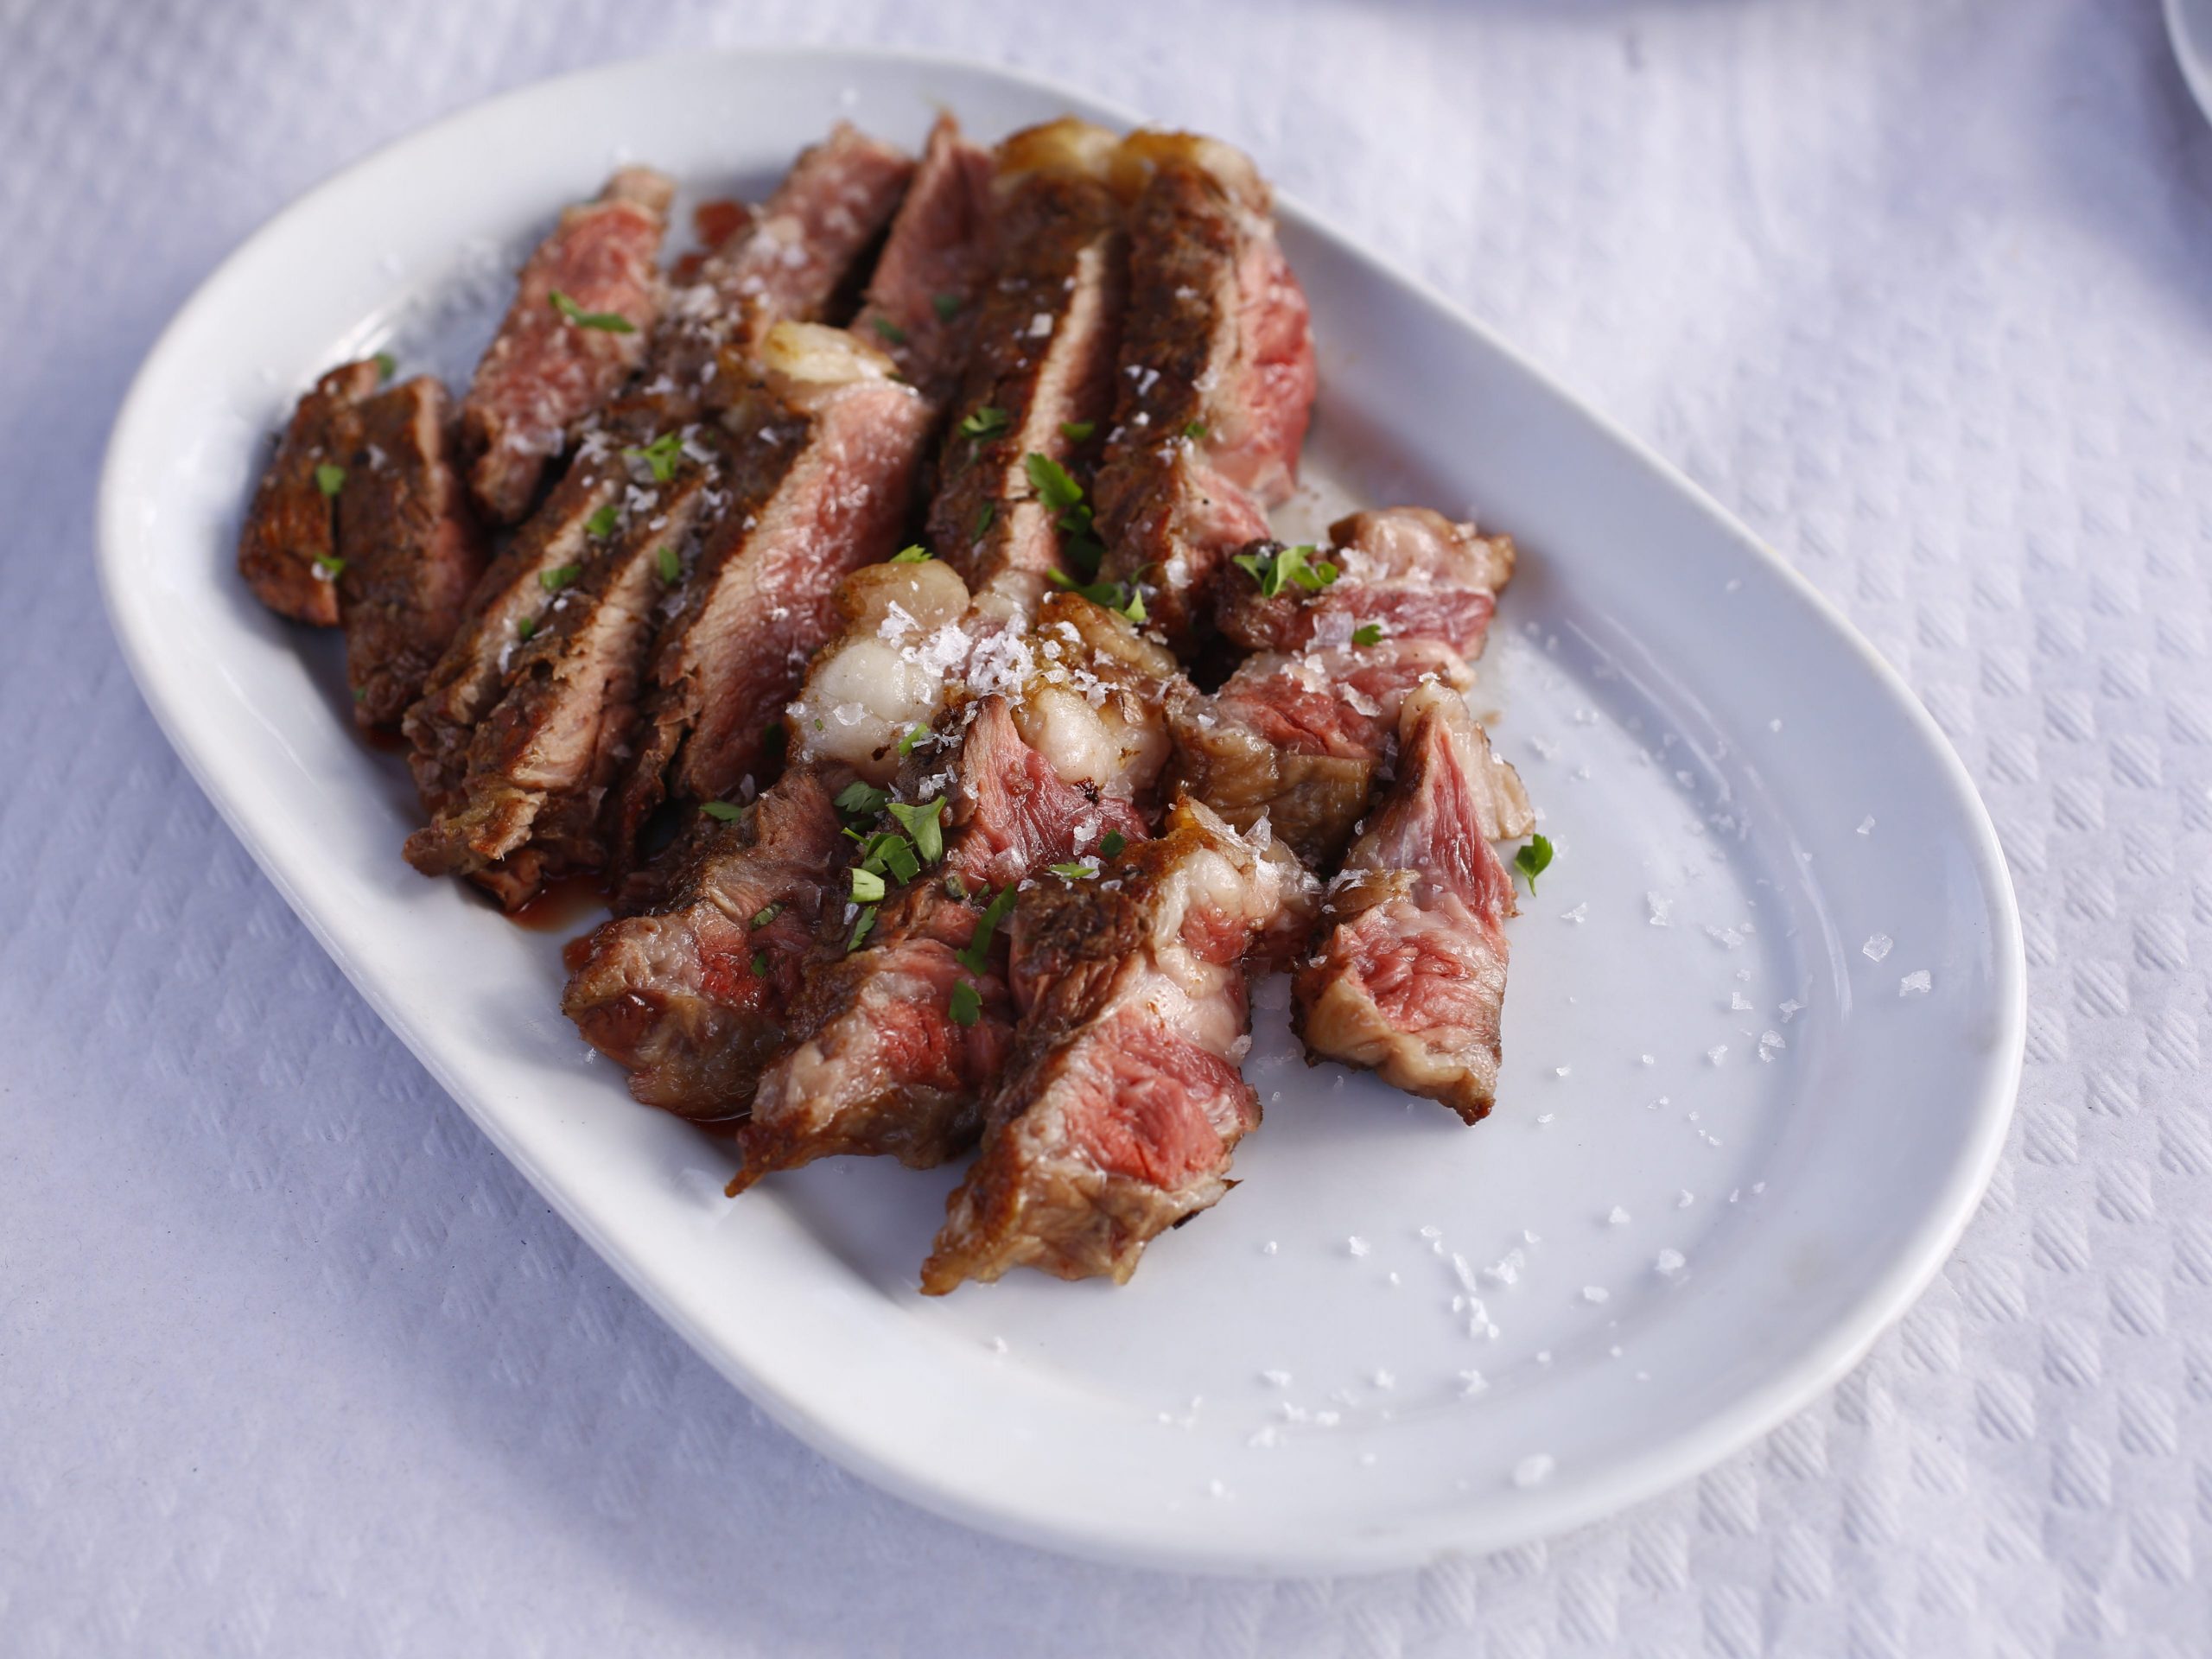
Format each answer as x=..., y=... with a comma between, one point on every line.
x=920, y=302
x=1218, y=379
x=287, y=547
x=692, y=1000
x=872, y=693
x=556, y=360
x=1119, y=1109
x=1406, y=572
x=540, y=763
x=826, y=451
x=1040, y=378
x=1408, y=975
x=884, y=1063
x=411, y=549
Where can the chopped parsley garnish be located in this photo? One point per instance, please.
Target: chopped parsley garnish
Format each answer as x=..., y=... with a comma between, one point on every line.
x=914, y=735
x=868, y=886
x=947, y=306
x=965, y=1004
x=915, y=555
x=1286, y=565
x=1111, y=843
x=866, y=920
x=1534, y=860
x=612, y=322
x=1060, y=492
x=602, y=524
x=668, y=563
x=330, y=478
x=761, y=964
x=329, y=566
x=955, y=886
x=977, y=955
x=1078, y=870
x=985, y=423
x=1195, y=430
x=1118, y=596
x=764, y=915
x=661, y=454
x=1077, y=431
x=387, y=365
x=923, y=826
x=986, y=516
x=558, y=577
x=888, y=852
x=1367, y=633
x=526, y=627
x=724, y=810
x=861, y=800
x=889, y=330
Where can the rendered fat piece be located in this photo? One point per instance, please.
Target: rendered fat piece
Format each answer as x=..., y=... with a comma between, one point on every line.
x=884, y=676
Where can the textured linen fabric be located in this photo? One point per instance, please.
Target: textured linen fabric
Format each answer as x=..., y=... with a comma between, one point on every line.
x=292, y=1362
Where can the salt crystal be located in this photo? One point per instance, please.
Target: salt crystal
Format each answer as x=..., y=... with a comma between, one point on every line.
x=1472, y=1382
x=1385, y=1380
x=1649, y=1059
x=1877, y=947
x=1558, y=1070
x=1577, y=914
x=998, y=1344
x=1266, y=1438
x=1685, y=1198
x=1669, y=1261
x=1268, y=1249
x=1717, y=1054
x=1596, y=1293
x=1774, y=725
x=1217, y=1489
x=1866, y=825
x=1738, y=1003
x=1922, y=980
x=1659, y=908
x=1790, y=1010
x=1355, y=1244
x=1280, y=1379
x=1619, y=1217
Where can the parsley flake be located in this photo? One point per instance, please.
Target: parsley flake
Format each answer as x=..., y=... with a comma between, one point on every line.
x=984, y=423
x=1283, y=566
x=330, y=478
x=1367, y=633
x=1078, y=431
x=723, y=811
x=1534, y=860
x=761, y=964
x=947, y=306
x=764, y=915
x=661, y=455
x=601, y=525
x=965, y=1004
x=1076, y=870
x=1055, y=487
x=1195, y=430
x=915, y=555
x=859, y=929
x=525, y=627
x=861, y=800
x=889, y=330
x=977, y=955
x=558, y=577
x=329, y=566
x=867, y=888
x=1111, y=843
x=914, y=735
x=612, y=322
x=923, y=826
x=1120, y=597
x=387, y=365
x=666, y=561
x=986, y=516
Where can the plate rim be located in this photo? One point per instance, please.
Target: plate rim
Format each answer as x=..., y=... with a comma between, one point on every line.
x=1727, y=1428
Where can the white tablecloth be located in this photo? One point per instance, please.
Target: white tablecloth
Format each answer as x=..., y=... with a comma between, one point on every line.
x=291, y=1363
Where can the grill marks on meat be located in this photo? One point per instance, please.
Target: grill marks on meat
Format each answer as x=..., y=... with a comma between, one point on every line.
x=1408, y=975
x=411, y=549
x=540, y=763
x=1042, y=362
x=288, y=548
x=544, y=371
x=826, y=453
x=1122, y=1104
x=692, y=1000
x=1217, y=379
x=882, y=1066
x=920, y=298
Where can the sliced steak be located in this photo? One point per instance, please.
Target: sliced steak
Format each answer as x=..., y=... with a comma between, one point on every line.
x=409, y=546
x=1408, y=974
x=885, y=1064
x=872, y=693
x=1040, y=378
x=585, y=305
x=287, y=549
x=920, y=302
x=1119, y=1109
x=692, y=1000
x=540, y=763
x=1406, y=573
x=1216, y=378
x=827, y=451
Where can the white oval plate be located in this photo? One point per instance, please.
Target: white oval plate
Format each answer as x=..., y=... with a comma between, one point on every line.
x=1740, y=792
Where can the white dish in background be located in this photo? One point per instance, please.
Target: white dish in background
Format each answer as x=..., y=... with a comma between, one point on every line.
x=2189, y=25
x=1678, y=1238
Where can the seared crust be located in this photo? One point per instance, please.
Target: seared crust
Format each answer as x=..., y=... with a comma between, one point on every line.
x=288, y=545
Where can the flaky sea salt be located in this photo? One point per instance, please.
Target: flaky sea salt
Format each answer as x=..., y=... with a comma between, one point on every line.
x=1619, y=1217
x=1596, y=1293
x=1877, y=947
x=1922, y=980
x=1356, y=1245
x=1866, y=825
x=1534, y=1469
x=1669, y=1261
x=1717, y=1054
x=1659, y=906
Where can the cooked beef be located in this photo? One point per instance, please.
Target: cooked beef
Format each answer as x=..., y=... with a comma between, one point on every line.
x=827, y=448
x=694, y=999
x=1122, y=1104
x=920, y=302
x=1218, y=379
x=1040, y=378
x=1408, y=977
x=1408, y=572
x=288, y=548
x=540, y=763
x=555, y=361
x=409, y=546
x=884, y=1063
x=871, y=690
x=507, y=606
x=1095, y=696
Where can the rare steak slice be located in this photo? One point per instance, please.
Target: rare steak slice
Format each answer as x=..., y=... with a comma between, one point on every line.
x=1407, y=976
x=287, y=549
x=531, y=806
x=1216, y=378
x=827, y=449
x=1122, y=1104
x=920, y=304
x=692, y=999
x=1402, y=573
x=1040, y=383
x=409, y=546
x=584, y=308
